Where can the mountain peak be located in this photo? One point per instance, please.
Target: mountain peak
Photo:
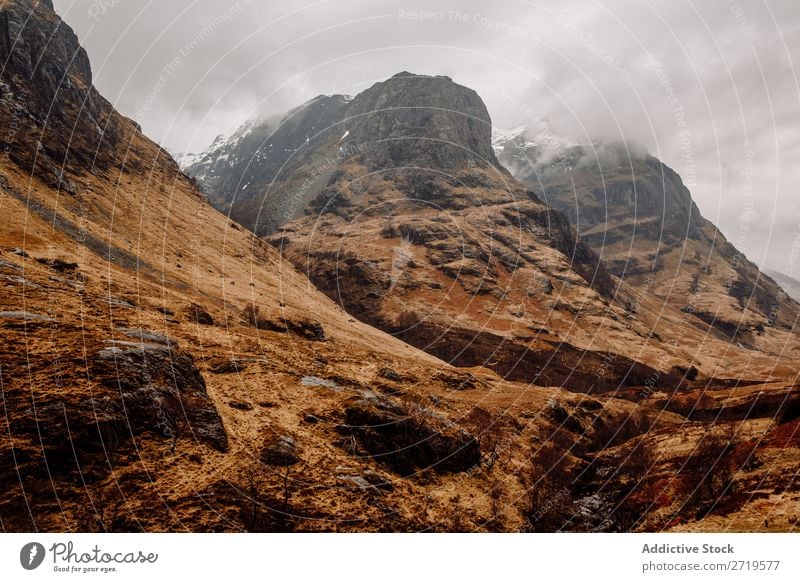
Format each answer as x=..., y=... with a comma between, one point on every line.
x=406, y=121
x=403, y=74
x=421, y=120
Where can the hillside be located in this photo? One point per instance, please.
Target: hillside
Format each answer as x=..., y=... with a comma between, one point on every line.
x=133, y=376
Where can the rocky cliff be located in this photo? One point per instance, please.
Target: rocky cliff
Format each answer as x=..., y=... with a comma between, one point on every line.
x=267, y=172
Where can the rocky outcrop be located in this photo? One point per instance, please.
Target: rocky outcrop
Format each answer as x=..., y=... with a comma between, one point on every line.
x=160, y=391
x=422, y=121
x=94, y=414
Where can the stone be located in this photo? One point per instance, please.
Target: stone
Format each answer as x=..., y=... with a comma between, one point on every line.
x=199, y=315
x=280, y=451
x=25, y=316
x=359, y=482
x=161, y=391
x=17, y=280
x=390, y=375
x=231, y=366
x=320, y=382
x=309, y=418
x=377, y=481
x=117, y=302
x=59, y=265
x=148, y=336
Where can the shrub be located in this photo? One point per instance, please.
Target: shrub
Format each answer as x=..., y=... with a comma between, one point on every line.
x=709, y=473
x=548, y=482
x=639, y=492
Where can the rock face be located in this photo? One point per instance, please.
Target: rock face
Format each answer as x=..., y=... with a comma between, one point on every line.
x=430, y=122
x=127, y=396
x=44, y=64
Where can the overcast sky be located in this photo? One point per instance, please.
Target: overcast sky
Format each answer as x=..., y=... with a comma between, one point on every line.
x=711, y=87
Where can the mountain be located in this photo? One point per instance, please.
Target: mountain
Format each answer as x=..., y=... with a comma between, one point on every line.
x=163, y=369
x=297, y=154
x=417, y=228
x=414, y=218
x=636, y=213
x=789, y=284
x=421, y=232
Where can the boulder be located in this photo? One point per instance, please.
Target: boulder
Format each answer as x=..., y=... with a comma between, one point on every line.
x=162, y=391
x=199, y=315
x=231, y=366
x=59, y=265
x=148, y=336
x=280, y=451
x=390, y=374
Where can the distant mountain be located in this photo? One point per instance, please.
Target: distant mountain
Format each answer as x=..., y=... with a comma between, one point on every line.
x=787, y=283
x=637, y=214
x=239, y=173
